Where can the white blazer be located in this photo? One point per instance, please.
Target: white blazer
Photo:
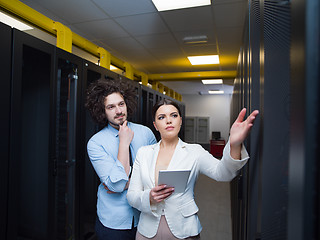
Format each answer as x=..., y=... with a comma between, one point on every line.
x=179, y=209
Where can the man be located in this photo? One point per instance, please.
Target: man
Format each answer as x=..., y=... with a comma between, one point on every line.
x=112, y=151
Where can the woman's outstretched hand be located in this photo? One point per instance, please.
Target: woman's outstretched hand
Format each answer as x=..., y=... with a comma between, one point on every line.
x=240, y=130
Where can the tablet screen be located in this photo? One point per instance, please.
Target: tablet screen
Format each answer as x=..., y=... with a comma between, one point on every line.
x=174, y=178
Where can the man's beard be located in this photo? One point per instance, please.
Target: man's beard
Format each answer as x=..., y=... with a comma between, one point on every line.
x=120, y=123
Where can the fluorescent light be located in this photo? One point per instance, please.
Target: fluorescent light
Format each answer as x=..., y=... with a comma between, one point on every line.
x=148, y=84
x=113, y=67
x=208, y=59
x=164, y=5
x=14, y=23
x=195, y=39
x=215, y=92
x=212, y=81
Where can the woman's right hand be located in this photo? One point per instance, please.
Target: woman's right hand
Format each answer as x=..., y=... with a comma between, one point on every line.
x=159, y=193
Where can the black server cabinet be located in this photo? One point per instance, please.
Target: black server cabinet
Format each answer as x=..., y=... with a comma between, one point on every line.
x=148, y=99
x=304, y=167
x=67, y=143
x=183, y=113
x=31, y=189
x=248, y=91
x=238, y=185
x=5, y=72
x=253, y=222
x=88, y=179
x=263, y=83
x=276, y=102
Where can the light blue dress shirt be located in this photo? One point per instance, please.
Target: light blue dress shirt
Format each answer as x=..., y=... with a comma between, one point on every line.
x=113, y=209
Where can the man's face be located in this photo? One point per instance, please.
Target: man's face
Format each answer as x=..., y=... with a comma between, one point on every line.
x=115, y=109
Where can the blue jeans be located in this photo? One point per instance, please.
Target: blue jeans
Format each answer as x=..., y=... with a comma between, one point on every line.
x=105, y=233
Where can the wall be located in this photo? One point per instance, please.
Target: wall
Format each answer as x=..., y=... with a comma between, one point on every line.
x=217, y=107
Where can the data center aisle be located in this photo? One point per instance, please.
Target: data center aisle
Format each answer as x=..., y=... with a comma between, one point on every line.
x=213, y=200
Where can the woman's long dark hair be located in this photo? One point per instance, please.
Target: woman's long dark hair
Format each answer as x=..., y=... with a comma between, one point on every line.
x=164, y=102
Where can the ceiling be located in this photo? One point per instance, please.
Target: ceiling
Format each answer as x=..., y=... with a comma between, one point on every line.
x=151, y=41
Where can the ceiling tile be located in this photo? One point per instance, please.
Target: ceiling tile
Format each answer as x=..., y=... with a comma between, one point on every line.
x=168, y=52
x=119, y=8
x=72, y=11
x=164, y=40
x=200, y=49
x=230, y=35
x=124, y=44
x=42, y=8
x=235, y=14
x=217, y=2
x=82, y=32
x=189, y=19
x=230, y=49
x=102, y=29
x=143, y=24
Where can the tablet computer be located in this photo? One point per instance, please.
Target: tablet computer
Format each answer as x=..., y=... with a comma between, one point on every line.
x=174, y=178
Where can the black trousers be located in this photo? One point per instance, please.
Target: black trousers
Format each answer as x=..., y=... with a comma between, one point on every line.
x=104, y=233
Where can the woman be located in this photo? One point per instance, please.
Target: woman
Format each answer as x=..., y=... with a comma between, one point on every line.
x=164, y=213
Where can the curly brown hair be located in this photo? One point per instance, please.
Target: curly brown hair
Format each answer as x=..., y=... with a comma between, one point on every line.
x=100, y=89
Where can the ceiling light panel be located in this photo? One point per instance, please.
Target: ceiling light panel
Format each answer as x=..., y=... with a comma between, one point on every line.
x=113, y=67
x=14, y=23
x=212, y=81
x=201, y=60
x=165, y=5
x=195, y=39
x=216, y=92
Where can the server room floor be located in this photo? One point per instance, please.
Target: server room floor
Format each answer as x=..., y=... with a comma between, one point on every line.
x=213, y=200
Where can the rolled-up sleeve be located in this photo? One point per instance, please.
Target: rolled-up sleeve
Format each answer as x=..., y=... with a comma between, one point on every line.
x=110, y=170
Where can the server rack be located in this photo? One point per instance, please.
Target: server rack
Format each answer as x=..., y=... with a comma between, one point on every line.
x=5, y=71
x=30, y=189
x=88, y=181
x=304, y=177
x=276, y=196
x=68, y=69
x=148, y=98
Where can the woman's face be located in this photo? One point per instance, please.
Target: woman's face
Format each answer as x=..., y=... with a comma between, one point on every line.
x=167, y=121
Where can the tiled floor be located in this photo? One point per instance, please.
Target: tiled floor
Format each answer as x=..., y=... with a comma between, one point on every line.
x=213, y=200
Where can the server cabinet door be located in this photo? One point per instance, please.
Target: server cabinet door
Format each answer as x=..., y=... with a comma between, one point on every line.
x=30, y=205
x=67, y=124
x=276, y=132
x=87, y=176
x=5, y=70
x=147, y=100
